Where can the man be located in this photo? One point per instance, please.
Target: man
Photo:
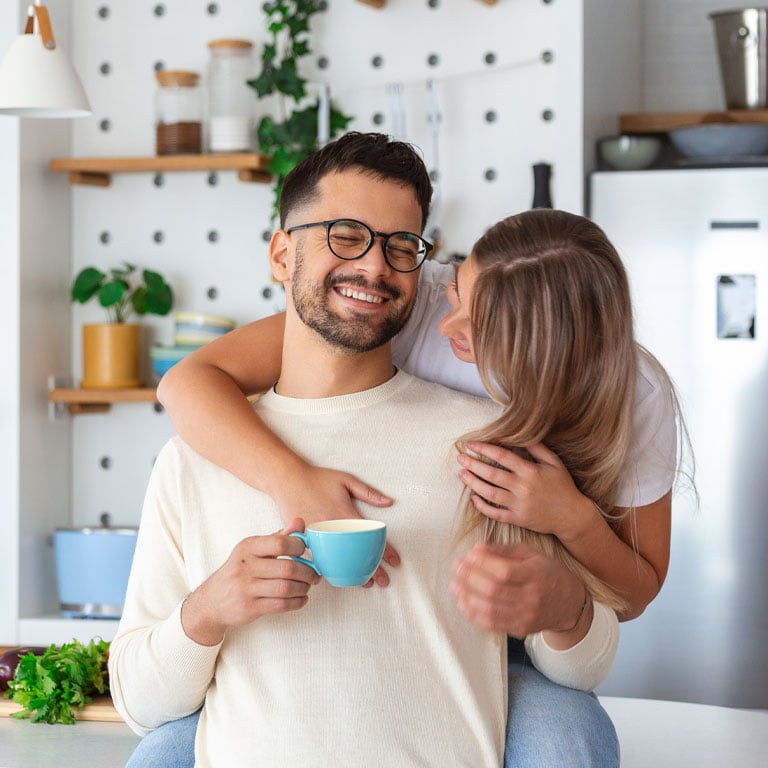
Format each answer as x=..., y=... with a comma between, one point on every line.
x=290, y=671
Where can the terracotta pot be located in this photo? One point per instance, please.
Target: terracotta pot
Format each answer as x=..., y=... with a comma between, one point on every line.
x=111, y=356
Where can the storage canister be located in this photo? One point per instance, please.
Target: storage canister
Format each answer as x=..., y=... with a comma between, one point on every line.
x=230, y=98
x=178, y=109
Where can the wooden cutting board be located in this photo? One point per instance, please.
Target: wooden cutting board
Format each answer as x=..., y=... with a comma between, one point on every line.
x=101, y=709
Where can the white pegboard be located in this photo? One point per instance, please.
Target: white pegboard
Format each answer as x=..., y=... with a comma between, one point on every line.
x=499, y=71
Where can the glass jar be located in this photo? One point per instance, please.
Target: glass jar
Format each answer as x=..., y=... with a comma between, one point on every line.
x=178, y=109
x=230, y=98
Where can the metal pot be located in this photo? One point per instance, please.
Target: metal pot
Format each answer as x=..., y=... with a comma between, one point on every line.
x=742, y=48
x=92, y=567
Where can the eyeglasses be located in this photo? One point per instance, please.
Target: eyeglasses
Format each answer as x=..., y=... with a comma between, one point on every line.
x=349, y=239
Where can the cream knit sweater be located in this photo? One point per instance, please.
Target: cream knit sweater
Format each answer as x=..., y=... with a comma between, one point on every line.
x=389, y=677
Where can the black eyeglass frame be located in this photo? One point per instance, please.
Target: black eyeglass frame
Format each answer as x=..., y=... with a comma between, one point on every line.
x=373, y=235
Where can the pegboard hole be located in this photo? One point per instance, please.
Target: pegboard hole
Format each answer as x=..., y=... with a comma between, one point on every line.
x=105, y=68
x=378, y=118
x=213, y=179
x=433, y=3
x=212, y=9
x=105, y=125
x=433, y=60
x=105, y=238
x=323, y=62
x=377, y=62
x=158, y=236
x=103, y=12
x=158, y=66
x=158, y=179
x=547, y=57
x=266, y=235
x=159, y=10
x=491, y=116
x=212, y=293
x=158, y=408
x=266, y=293
x=490, y=58
x=548, y=115
x=434, y=175
x=213, y=236
x=105, y=462
x=490, y=174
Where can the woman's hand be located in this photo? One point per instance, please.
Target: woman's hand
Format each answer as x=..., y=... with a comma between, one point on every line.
x=539, y=495
x=317, y=493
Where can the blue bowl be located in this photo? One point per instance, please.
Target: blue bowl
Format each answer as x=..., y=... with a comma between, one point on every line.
x=163, y=358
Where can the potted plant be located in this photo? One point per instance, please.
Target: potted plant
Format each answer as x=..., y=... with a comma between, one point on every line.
x=111, y=350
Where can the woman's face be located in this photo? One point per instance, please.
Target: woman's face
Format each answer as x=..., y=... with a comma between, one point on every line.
x=456, y=324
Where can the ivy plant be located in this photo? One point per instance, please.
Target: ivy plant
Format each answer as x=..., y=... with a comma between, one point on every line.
x=288, y=140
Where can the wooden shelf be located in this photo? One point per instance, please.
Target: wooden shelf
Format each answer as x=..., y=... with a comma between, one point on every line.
x=97, y=171
x=100, y=400
x=669, y=121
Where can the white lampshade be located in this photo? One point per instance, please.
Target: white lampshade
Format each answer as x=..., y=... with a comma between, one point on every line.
x=39, y=82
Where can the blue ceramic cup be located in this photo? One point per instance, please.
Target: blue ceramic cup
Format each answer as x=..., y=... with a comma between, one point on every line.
x=346, y=553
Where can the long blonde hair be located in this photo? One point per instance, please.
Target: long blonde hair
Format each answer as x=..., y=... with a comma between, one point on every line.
x=553, y=337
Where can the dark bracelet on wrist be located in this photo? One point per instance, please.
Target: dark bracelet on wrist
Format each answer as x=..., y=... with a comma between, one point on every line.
x=587, y=601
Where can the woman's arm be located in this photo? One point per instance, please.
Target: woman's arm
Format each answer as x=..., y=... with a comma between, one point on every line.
x=205, y=396
x=632, y=557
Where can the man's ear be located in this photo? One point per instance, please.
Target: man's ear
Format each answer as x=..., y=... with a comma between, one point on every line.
x=280, y=258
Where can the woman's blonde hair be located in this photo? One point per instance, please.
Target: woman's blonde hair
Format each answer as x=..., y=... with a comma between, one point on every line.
x=553, y=337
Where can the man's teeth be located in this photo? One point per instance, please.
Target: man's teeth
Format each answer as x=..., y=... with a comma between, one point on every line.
x=360, y=296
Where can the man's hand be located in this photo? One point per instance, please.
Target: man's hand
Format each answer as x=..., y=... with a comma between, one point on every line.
x=317, y=493
x=516, y=590
x=252, y=583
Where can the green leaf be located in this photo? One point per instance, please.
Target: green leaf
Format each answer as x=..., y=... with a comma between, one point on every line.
x=86, y=284
x=111, y=293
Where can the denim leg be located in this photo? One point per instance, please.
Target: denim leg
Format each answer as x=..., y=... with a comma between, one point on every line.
x=551, y=726
x=172, y=745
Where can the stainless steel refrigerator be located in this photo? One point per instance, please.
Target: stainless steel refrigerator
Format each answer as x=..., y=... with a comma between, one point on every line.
x=695, y=243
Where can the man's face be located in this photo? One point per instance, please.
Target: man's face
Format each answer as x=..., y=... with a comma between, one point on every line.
x=359, y=305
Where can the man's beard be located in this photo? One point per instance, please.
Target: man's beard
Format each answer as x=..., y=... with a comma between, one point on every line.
x=358, y=332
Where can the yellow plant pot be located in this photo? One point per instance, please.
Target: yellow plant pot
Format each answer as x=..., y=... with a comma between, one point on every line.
x=111, y=356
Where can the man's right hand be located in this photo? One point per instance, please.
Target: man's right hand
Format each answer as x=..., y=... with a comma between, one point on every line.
x=318, y=493
x=256, y=580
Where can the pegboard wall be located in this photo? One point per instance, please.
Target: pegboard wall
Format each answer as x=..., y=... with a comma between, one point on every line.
x=504, y=82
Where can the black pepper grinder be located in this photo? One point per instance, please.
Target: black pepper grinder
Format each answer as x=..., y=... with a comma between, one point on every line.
x=542, y=174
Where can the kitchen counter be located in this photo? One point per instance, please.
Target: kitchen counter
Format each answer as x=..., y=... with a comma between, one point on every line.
x=663, y=734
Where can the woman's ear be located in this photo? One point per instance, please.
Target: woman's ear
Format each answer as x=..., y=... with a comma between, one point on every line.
x=280, y=257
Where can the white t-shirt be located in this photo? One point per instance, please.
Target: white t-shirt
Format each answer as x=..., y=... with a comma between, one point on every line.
x=421, y=350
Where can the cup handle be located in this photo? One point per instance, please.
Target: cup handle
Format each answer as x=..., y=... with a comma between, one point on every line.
x=303, y=537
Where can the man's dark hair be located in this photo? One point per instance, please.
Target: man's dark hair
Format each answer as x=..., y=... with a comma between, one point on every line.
x=374, y=153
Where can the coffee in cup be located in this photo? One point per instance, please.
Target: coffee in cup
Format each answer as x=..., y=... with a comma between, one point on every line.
x=346, y=553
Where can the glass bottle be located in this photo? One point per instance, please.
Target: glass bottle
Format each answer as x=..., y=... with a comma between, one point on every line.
x=230, y=99
x=178, y=110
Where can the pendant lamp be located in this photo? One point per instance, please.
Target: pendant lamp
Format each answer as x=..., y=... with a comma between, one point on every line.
x=36, y=79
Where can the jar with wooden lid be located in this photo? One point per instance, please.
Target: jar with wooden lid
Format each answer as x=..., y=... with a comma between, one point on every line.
x=178, y=108
x=230, y=99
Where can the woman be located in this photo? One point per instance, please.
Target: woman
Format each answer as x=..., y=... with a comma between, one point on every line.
x=543, y=304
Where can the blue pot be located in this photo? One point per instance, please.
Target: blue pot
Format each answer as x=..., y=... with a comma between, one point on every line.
x=92, y=567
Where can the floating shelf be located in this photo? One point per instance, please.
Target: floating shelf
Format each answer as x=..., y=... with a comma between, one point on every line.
x=100, y=400
x=669, y=121
x=97, y=171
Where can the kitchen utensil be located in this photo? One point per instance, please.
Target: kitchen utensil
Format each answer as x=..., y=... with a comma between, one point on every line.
x=629, y=153
x=741, y=45
x=714, y=140
x=92, y=567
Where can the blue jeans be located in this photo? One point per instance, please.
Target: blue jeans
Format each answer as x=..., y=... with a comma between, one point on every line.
x=549, y=726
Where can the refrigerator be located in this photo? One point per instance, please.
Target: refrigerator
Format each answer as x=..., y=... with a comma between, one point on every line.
x=695, y=244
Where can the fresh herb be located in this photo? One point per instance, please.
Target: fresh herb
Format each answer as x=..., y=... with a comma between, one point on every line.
x=52, y=687
x=288, y=142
